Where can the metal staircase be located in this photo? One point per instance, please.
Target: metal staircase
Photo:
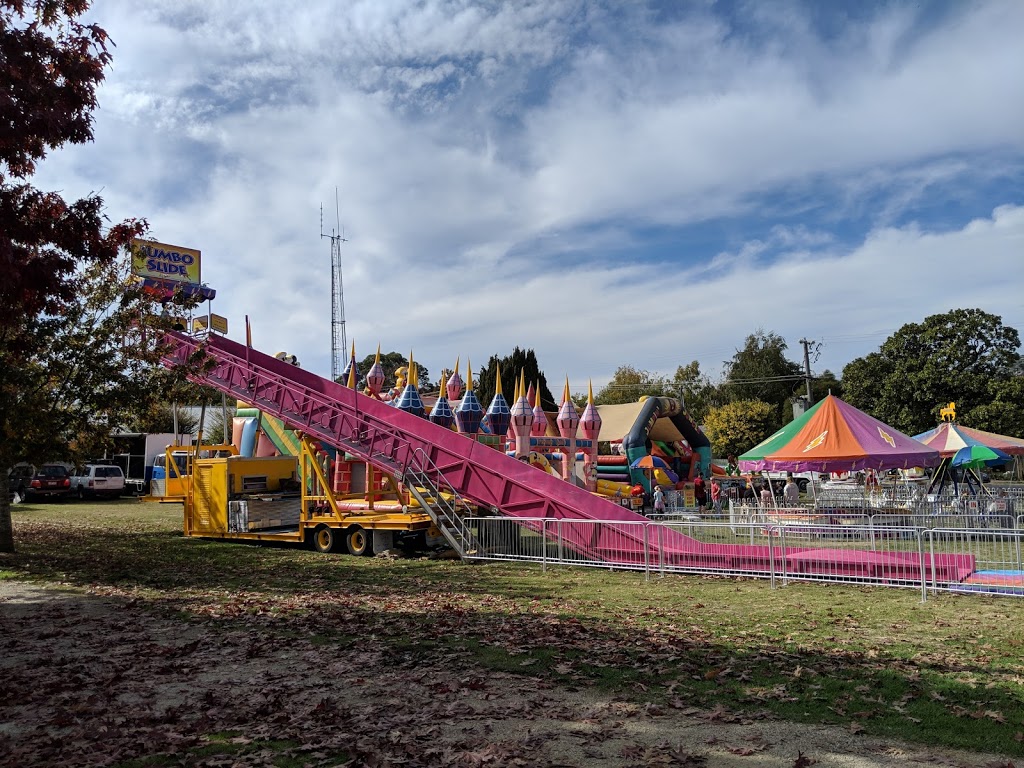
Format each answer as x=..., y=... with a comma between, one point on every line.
x=445, y=508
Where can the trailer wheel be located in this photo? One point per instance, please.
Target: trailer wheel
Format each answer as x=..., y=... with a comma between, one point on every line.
x=325, y=539
x=359, y=542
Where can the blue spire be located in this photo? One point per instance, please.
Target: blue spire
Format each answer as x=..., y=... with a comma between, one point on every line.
x=469, y=414
x=441, y=414
x=499, y=415
x=411, y=402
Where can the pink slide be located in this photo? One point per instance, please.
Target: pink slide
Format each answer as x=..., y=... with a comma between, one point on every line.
x=398, y=441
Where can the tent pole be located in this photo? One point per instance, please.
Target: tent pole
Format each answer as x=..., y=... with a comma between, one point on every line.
x=771, y=490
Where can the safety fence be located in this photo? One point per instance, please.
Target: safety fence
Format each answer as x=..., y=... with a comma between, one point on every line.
x=1005, y=500
x=1002, y=505
x=999, y=505
x=857, y=552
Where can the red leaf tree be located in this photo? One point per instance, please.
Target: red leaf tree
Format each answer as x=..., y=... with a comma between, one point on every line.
x=51, y=64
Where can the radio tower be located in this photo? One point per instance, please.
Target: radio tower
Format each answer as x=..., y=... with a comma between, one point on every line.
x=338, y=341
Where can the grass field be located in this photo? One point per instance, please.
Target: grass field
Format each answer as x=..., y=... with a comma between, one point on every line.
x=876, y=661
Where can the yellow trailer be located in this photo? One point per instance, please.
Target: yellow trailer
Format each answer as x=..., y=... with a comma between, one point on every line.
x=288, y=498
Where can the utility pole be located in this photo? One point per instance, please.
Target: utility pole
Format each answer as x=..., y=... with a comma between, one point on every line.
x=807, y=369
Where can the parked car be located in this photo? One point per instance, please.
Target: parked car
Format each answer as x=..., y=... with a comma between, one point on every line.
x=51, y=481
x=19, y=479
x=98, y=480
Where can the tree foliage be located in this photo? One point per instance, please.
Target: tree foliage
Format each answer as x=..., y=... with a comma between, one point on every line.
x=92, y=370
x=966, y=356
x=761, y=371
x=217, y=423
x=160, y=416
x=825, y=384
x=520, y=362
x=51, y=65
x=740, y=425
x=698, y=393
x=74, y=358
x=629, y=384
x=1004, y=413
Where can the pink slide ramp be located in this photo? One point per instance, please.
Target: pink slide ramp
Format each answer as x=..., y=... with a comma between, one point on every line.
x=383, y=435
x=402, y=443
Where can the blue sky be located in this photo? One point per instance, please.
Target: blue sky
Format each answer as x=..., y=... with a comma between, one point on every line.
x=606, y=183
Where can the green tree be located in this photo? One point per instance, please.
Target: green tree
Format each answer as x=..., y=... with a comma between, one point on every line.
x=93, y=367
x=966, y=356
x=391, y=362
x=698, y=393
x=740, y=425
x=825, y=384
x=761, y=371
x=1004, y=413
x=59, y=383
x=629, y=384
x=521, y=361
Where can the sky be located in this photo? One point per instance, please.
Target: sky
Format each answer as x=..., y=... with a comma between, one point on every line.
x=606, y=183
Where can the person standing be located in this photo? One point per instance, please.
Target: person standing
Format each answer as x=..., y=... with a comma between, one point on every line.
x=700, y=492
x=791, y=493
x=766, y=496
x=716, y=496
x=659, y=500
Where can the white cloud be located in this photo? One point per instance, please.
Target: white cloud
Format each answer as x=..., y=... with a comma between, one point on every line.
x=497, y=165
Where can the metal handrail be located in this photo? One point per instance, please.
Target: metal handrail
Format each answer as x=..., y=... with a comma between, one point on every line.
x=422, y=473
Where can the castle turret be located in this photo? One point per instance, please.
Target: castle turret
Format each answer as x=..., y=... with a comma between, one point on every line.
x=590, y=426
x=498, y=413
x=410, y=400
x=454, y=385
x=375, y=376
x=522, y=421
x=568, y=420
x=441, y=414
x=540, y=419
x=350, y=368
x=470, y=413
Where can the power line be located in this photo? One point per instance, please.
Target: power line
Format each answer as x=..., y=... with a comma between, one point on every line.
x=762, y=380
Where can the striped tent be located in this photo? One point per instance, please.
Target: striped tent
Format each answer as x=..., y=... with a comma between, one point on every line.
x=948, y=438
x=833, y=436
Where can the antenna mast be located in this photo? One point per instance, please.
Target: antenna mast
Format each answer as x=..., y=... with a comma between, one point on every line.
x=338, y=340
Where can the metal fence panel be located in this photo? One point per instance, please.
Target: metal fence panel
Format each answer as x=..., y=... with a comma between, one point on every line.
x=806, y=546
x=997, y=553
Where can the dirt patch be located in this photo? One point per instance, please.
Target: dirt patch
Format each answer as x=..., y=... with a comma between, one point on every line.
x=93, y=680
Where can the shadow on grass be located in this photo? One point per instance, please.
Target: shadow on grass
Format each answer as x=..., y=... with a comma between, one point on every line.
x=517, y=619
